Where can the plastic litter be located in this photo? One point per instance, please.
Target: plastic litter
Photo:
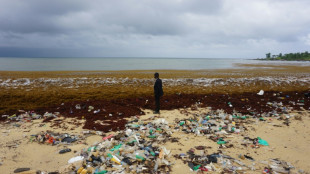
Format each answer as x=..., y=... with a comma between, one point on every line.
x=133, y=149
x=19, y=170
x=221, y=141
x=64, y=151
x=75, y=159
x=54, y=138
x=262, y=142
x=261, y=92
x=107, y=137
x=140, y=147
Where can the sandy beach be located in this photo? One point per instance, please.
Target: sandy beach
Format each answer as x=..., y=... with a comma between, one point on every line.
x=289, y=143
x=155, y=87
x=107, y=102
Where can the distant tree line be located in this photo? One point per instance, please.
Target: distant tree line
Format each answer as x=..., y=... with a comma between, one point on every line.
x=289, y=56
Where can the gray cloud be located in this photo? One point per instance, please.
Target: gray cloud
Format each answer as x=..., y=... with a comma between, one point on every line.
x=176, y=28
x=35, y=16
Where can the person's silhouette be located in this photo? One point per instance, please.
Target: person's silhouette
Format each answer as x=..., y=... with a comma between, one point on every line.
x=158, y=92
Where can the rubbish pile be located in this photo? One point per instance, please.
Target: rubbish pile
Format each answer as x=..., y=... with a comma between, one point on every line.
x=217, y=126
x=213, y=125
x=27, y=116
x=279, y=166
x=221, y=163
x=218, y=123
x=216, y=162
x=52, y=138
x=138, y=148
x=254, y=142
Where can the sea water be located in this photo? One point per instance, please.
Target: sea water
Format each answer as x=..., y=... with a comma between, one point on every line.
x=101, y=64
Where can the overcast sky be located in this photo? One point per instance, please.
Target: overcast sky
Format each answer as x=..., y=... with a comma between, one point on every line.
x=153, y=28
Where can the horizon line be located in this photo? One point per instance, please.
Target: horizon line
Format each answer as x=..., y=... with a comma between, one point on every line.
x=139, y=57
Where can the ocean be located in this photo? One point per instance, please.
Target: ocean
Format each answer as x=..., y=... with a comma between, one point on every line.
x=107, y=64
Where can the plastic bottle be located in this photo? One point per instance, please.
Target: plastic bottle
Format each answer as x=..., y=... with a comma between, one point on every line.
x=118, y=156
x=129, y=149
x=152, y=136
x=131, y=156
x=229, y=127
x=221, y=141
x=140, y=158
x=74, y=159
x=276, y=168
x=140, y=155
x=237, y=131
x=84, y=171
x=262, y=142
x=156, y=166
x=80, y=170
x=116, y=160
x=90, y=169
x=197, y=132
x=102, y=172
x=116, y=147
x=135, y=136
x=91, y=149
x=107, y=137
x=150, y=150
x=196, y=167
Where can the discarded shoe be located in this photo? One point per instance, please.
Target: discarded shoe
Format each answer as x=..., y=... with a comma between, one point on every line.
x=64, y=151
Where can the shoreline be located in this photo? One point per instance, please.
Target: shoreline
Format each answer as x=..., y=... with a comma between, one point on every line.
x=69, y=103
x=31, y=90
x=264, y=59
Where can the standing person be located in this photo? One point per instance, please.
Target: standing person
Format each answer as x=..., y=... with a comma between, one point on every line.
x=158, y=92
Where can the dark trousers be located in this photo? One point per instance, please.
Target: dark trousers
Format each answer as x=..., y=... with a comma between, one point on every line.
x=157, y=103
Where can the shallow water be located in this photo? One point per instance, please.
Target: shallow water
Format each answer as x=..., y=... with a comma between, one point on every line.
x=84, y=64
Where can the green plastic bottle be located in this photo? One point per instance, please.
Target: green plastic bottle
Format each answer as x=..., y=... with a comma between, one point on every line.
x=262, y=142
x=152, y=136
x=196, y=167
x=140, y=157
x=116, y=147
x=221, y=141
x=102, y=172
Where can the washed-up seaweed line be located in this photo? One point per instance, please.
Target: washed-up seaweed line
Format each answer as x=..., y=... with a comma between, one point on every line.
x=302, y=80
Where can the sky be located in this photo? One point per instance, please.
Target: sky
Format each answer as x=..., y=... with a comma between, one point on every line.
x=153, y=28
